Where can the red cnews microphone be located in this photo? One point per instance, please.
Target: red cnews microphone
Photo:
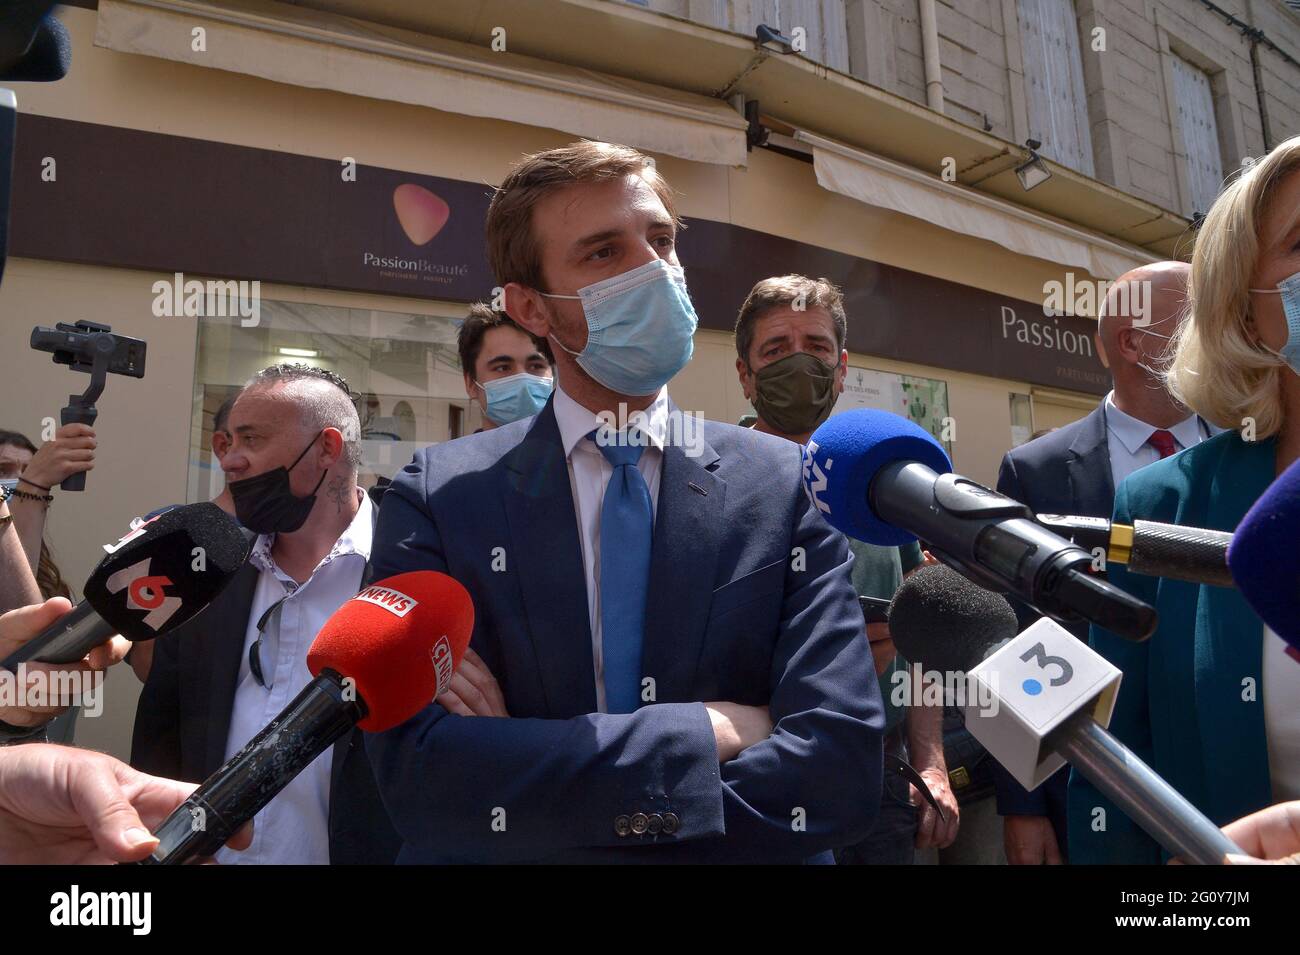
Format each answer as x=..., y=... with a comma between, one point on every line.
x=380, y=659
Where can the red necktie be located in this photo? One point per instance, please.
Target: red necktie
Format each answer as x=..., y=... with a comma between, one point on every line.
x=1163, y=442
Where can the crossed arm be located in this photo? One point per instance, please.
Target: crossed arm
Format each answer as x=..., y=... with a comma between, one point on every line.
x=791, y=779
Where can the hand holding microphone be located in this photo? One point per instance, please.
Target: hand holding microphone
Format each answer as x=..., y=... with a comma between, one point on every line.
x=18, y=627
x=65, y=806
x=381, y=658
x=157, y=577
x=154, y=579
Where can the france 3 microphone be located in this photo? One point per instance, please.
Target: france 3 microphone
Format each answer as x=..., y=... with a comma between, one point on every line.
x=154, y=579
x=380, y=659
x=879, y=478
x=1039, y=699
x=1265, y=556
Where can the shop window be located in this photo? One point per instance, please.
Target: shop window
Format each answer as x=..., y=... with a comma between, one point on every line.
x=403, y=369
x=1022, y=419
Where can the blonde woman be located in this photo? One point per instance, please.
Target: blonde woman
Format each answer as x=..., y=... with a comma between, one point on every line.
x=1212, y=701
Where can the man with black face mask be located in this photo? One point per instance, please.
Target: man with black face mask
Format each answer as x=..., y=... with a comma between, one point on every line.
x=791, y=360
x=291, y=468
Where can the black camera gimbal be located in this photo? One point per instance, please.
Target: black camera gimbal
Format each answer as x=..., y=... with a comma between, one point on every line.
x=93, y=348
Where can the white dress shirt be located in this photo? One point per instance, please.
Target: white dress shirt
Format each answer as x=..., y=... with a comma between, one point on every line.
x=293, y=828
x=1281, y=695
x=1126, y=439
x=589, y=474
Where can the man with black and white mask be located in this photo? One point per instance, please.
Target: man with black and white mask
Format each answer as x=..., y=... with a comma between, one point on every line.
x=292, y=472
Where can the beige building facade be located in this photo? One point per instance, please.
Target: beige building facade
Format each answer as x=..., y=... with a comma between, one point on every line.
x=197, y=142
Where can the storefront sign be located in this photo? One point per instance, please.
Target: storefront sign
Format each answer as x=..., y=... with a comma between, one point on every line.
x=142, y=200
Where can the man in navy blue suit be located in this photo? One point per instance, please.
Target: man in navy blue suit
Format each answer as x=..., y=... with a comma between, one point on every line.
x=668, y=663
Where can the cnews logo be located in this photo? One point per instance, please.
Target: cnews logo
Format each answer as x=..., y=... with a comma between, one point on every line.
x=395, y=602
x=145, y=592
x=441, y=656
x=814, y=478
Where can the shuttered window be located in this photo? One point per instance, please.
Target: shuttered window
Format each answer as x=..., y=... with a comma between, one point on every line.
x=1054, y=91
x=1200, y=135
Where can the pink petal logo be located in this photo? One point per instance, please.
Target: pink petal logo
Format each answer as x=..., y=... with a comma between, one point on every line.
x=421, y=213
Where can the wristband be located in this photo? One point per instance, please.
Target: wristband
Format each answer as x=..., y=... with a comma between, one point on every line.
x=23, y=480
x=47, y=498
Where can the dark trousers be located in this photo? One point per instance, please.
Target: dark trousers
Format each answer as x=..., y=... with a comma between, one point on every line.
x=892, y=840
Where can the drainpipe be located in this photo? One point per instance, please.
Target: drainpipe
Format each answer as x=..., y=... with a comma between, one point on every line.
x=930, y=55
x=1255, y=36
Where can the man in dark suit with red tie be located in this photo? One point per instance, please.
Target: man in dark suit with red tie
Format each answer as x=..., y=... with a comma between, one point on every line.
x=1075, y=470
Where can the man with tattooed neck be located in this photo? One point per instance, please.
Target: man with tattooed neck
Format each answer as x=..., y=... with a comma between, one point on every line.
x=291, y=469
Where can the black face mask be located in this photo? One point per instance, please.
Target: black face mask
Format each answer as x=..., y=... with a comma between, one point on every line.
x=265, y=505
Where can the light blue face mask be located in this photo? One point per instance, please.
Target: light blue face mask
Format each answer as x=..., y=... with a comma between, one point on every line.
x=1289, y=289
x=515, y=397
x=640, y=328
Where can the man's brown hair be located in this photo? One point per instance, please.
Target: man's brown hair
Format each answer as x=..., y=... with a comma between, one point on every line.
x=794, y=291
x=469, y=340
x=512, y=247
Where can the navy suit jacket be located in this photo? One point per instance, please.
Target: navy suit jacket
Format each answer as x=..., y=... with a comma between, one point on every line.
x=1064, y=472
x=750, y=601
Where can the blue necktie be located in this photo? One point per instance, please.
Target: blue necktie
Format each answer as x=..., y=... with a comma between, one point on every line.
x=626, y=522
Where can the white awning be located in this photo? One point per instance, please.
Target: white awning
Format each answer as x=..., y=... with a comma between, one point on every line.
x=890, y=185
x=304, y=47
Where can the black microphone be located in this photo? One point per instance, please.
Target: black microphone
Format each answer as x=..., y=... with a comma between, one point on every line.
x=1194, y=554
x=157, y=577
x=34, y=46
x=878, y=477
x=1039, y=699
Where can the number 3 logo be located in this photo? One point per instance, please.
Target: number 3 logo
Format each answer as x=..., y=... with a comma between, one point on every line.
x=1039, y=653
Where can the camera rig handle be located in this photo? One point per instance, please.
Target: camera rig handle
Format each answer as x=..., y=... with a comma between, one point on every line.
x=81, y=408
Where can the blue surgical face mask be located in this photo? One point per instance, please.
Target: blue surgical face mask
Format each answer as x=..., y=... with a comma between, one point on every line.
x=1289, y=289
x=640, y=328
x=515, y=397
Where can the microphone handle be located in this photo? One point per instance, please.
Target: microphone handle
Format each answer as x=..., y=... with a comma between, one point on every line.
x=992, y=540
x=1194, y=554
x=319, y=716
x=1159, y=809
x=66, y=640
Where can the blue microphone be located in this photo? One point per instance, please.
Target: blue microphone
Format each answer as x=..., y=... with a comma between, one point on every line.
x=880, y=478
x=1264, y=556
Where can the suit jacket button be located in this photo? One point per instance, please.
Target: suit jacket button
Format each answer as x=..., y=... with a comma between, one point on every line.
x=656, y=824
x=640, y=822
x=622, y=825
x=671, y=823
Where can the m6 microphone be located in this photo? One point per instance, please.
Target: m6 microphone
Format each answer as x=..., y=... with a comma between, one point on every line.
x=157, y=577
x=1040, y=699
x=878, y=477
x=381, y=658
x=1264, y=557
x=1194, y=554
